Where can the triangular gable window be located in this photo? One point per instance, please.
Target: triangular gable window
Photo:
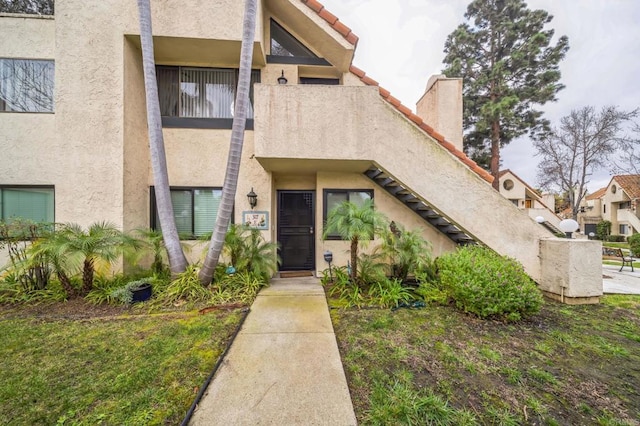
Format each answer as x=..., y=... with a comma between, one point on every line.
x=286, y=49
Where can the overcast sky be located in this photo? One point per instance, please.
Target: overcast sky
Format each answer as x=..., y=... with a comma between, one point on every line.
x=401, y=43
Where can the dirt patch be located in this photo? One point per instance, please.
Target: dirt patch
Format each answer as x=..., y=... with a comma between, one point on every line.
x=74, y=309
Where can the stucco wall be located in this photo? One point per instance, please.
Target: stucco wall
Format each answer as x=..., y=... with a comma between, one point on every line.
x=193, y=19
x=354, y=123
x=137, y=167
x=441, y=107
x=25, y=36
x=385, y=203
x=568, y=268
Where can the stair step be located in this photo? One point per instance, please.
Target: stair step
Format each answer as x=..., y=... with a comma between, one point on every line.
x=424, y=210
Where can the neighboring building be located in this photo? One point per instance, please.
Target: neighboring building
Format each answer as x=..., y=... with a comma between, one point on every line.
x=74, y=138
x=618, y=202
x=524, y=197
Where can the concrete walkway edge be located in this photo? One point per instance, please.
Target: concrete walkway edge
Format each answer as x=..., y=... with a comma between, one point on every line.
x=284, y=367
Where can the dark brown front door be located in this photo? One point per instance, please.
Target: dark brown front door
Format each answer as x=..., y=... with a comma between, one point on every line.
x=296, y=228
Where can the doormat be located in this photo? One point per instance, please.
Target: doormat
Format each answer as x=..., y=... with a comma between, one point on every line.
x=295, y=274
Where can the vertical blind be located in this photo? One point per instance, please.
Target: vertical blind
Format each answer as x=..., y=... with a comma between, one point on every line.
x=194, y=209
x=200, y=92
x=36, y=204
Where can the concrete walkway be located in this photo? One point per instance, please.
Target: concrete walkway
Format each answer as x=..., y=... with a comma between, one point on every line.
x=284, y=367
x=615, y=281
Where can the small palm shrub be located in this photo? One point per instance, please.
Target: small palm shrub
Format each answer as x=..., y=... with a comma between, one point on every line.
x=405, y=251
x=634, y=244
x=488, y=285
x=248, y=251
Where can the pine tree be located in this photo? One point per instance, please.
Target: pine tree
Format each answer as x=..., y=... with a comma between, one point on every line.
x=508, y=65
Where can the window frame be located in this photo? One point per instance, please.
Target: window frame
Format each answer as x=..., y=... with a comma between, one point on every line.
x=181, y=122
x=18, y=187
x=4, y=105
x=154, y=224
x=313, y=59
x=325, y=193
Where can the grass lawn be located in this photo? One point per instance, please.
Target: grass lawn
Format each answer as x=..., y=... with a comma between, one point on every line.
x=567, y=365
x=64, y=367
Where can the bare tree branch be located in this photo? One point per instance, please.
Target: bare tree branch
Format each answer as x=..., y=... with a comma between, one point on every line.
x=585, y=142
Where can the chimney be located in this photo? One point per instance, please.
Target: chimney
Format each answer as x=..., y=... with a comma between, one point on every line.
x=441, y=107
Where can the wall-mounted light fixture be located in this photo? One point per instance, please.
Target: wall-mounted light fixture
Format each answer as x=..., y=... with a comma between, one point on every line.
x=253, y=198
x=282, y=79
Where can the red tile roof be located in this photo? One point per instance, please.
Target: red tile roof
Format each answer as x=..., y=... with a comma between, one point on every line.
x=332, y=20
x=630, y=184
x=346, y=32
x=598, y=194
x=385, y=94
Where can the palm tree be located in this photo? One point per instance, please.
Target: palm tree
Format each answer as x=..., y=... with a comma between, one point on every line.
x=75, y=250
x=177, y=259
x=235, y=149
x=356, y=224
x=406, y=251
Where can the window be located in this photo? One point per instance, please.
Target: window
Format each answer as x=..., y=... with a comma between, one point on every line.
x=624, y=229
x=189, y=95
x=322, y=81
x=26, y=85
x=334, y=197
x=508, y=184
x=194, y=210
x=625, y=205
x=286, y=49
x=27, y=202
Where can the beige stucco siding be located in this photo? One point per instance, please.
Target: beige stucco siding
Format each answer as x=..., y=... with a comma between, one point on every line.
x=354, y=123
x=28, y=37
x=385, y=203
x=89, y=111
x=137, y=167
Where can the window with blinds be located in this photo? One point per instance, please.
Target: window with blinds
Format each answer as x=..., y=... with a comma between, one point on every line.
x=200, y=93
x=194, y=209
x=30, y=203
x=26, y=85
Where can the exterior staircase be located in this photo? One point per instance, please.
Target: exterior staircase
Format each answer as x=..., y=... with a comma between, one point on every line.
x=428, y=212
x=419, y=206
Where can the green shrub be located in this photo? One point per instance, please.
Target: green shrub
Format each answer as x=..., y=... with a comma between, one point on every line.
x=241, y=287
x=616, y=238
x=389, y=293
x=603, y=229
x=488, y=285
x=634, y=244
x=429, y=288
x=186, y=287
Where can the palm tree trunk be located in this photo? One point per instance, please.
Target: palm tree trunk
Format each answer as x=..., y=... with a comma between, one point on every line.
x=354, y=260
x=177, y=259
x=66, y=284
x=87, y=276
x=235, y=150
